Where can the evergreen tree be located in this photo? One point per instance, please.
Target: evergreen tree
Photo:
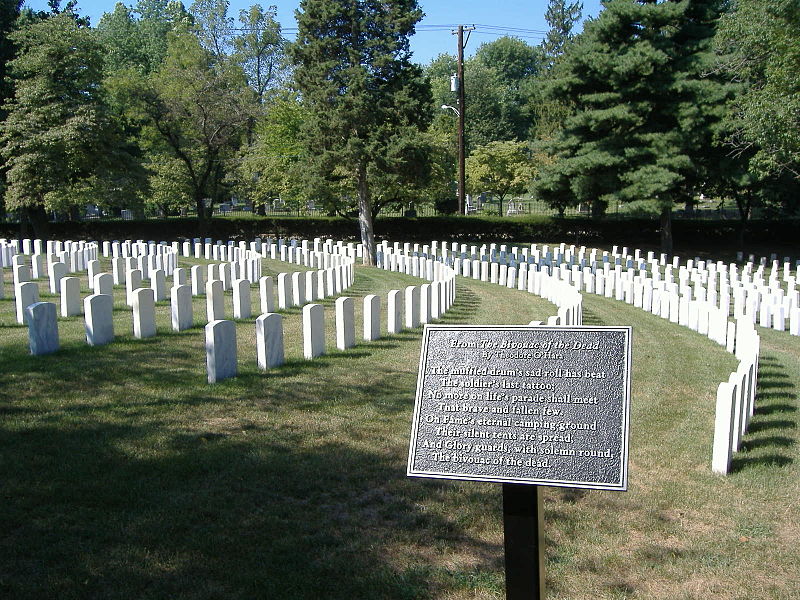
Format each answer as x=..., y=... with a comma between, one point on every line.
x=561, y=16
x=645, y=114
x=365, y=100
x=546, y=114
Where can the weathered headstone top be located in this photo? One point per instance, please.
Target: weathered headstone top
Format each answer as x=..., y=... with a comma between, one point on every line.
x=522, y=404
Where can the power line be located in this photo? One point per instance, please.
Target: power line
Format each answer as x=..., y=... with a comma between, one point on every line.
x=420, y=29
x=505, y=28
x=498, y=34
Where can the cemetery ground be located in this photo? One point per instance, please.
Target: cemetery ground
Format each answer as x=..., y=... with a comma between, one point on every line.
x=125, y=475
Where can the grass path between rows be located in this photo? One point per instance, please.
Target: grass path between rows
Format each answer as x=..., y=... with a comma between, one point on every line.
x=125, y=475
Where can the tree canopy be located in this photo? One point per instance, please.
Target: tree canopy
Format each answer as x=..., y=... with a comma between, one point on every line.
x=644, y=110
x=364, y=99
x=759, y=44
x=58, y=136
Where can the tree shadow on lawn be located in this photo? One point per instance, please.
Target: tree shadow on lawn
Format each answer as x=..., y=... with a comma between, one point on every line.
x=155, y=507
x=212, y=517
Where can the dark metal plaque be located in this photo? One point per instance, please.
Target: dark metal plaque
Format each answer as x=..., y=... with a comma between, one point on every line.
x=523, y=404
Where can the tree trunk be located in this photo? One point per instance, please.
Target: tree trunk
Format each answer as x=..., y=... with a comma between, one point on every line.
x=200, y=207
x=666, y=229
x=34, y=219
x=365, y=218
x=744, y=207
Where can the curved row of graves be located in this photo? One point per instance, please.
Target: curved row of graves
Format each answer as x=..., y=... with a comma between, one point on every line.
x=700, y=295
x=132, y=263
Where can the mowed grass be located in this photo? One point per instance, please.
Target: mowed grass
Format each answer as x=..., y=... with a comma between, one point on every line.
x=125, y=475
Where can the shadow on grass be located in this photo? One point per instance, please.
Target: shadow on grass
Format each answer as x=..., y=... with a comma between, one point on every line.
x=774, y=419
x=136, y=500
x=209, y=517
x=463, y=309
x=590, y=318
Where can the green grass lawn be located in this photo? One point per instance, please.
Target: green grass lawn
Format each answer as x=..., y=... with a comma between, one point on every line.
x=125, y=475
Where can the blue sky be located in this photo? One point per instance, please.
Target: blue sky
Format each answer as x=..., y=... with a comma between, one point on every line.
x=521, y=18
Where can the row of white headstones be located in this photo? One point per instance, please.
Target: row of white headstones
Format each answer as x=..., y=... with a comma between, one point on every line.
x=561, y=274
x=410, y=307
x=558, y=274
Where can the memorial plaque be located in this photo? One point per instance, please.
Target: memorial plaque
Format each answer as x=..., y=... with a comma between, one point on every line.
x=523, y=404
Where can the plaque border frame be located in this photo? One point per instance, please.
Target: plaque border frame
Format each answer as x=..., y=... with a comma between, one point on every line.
x=622, y=486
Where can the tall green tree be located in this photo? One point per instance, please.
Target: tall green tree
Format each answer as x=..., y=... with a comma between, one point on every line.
x=58, y=137
x=645, y=112
x=561, y=17
x=498, y=82
x=137, y=38
x=9, y=13
x=213, y=26
x=269, y=167
x=261, y=50
x=759, y=44
x=366, y=101
x=546, y=114
x=198, y=107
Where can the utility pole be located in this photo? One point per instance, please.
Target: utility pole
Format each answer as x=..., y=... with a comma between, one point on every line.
x=461, y=115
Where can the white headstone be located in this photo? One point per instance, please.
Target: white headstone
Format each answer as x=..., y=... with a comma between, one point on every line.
x=198, y=281
x=98, y=312
x=226, y=275
x=104, y=284
x=133, y=281
x=215, y=301
x=321, y=278
x=411, y=302
x=37, y=266
x=93, y=268
x=437, y=290
x=22, y=273
x=57, y=271
x=723, y=429
x=313, y=330
x=179, y=277
x=144, y=313
x=70, y=296
x=311, y=286
x=242, y=307
x=42, y=327
x=372, y=317
x=118, y=270
x=181, y=307
x=158, y=283
x=284, y=290
x=298, y=288
x=220, y=349
x=425, y=303
x=394, y=319
x=269, y=341
x=25, y=294
x=345, y=323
